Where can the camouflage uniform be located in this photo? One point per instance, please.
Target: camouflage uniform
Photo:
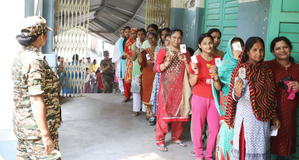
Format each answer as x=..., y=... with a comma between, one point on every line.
x=32, y=75
x=107, y=76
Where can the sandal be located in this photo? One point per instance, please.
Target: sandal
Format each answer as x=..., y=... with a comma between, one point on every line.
x=135, y=114
x=162, y=148
x=126, y=100
x=147, y=118
x=182, y=144
x=193, y=153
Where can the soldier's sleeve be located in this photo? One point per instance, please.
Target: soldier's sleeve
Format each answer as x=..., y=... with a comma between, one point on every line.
x=36, y=77
x=102, y=65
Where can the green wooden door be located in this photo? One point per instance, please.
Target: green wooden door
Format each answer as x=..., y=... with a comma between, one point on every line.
x=284, y=21
x=222, y=14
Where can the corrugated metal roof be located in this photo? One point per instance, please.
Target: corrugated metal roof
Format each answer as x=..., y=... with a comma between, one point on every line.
x=112, y=15
x=107, y=17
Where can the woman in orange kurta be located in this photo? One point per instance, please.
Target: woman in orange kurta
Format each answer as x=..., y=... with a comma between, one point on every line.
x=145, y=60
x=129, y=63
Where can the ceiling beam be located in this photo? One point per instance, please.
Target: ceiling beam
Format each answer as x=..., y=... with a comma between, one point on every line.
x=98, y=10
x=125, y=22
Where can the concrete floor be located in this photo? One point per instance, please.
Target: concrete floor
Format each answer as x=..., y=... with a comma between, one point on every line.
x=101, y=127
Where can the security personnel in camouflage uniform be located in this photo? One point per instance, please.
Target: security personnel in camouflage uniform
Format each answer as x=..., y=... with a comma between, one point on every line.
x=37, y=111
x=107, y=73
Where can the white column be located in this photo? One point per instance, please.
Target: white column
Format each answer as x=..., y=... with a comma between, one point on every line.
x=9, y=49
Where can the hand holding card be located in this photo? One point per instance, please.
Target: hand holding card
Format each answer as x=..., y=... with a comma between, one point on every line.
x=237, y=46
x=218, y=62
x=183, y=48
x=138, y=44
x=148, y=57
x=273, y=132
x=194, y=59
x=242, y=73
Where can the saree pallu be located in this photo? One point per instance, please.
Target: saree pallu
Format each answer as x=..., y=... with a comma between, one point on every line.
x=175, y=91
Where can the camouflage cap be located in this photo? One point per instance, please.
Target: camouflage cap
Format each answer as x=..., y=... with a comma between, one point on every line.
x=34, y=25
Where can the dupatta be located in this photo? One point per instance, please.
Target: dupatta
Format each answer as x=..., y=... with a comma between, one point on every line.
x=128, y=47
x=224, y=72
x=261, y=88
x=172, y=85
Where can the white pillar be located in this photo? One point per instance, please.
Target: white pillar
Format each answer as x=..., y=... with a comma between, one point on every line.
x=9, y=49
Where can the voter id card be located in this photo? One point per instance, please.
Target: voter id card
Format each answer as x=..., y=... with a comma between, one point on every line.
x=237, y=46
x=148, y=57
x=218, y=62
x=138, y=44
x=194, y=59
x=183, y=48
x=242, y=73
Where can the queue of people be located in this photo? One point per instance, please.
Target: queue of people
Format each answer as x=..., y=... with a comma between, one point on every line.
x=234, y=100
x=241, y=98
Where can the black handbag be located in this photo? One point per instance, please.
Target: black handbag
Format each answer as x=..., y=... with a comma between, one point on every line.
x=281, y=83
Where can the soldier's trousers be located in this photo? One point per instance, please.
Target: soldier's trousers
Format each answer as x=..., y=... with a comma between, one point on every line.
x=107, y=82
x=34, y=149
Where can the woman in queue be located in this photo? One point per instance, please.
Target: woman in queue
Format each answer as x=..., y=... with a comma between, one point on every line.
x=172, y=63
x=203, y=104
x=285, y=73
x=129, y=64
x=145, y=60
x=165, y=38
x=251, y=103
x=220, y=88
x=135, y=86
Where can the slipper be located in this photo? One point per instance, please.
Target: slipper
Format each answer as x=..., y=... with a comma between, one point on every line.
x=193, y=153
x=135, y=114
x=164, y=148
x=180, y=143
x=126, y=100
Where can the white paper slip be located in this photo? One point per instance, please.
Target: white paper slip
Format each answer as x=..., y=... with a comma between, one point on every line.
x=183, y=48
x=218, y=62
x=148, y=57
x=138, y=44
x=242, y=73
x=273, y=132
x=237, y=46
x=194, y=59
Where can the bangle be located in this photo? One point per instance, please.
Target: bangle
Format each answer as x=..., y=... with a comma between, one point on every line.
x=238, y=95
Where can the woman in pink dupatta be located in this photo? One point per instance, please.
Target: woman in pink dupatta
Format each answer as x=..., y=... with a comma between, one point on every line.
x=174, y=92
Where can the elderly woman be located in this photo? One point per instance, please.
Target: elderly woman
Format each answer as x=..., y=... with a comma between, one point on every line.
x=107, y=73
x=37, y=112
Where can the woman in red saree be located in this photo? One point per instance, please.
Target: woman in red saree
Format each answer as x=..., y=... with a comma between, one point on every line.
x=174, y=92
x=129, y=64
